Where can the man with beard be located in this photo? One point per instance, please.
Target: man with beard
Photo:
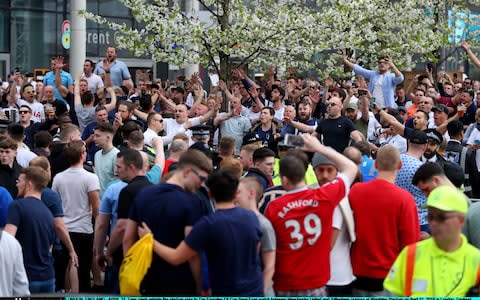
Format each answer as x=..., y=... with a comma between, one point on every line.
x=304, y=117
x=434, y=141
x=336, y=130
x=117, y=69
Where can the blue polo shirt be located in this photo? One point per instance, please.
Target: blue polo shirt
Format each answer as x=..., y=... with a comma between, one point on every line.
x=67, y=81
x=118, y=72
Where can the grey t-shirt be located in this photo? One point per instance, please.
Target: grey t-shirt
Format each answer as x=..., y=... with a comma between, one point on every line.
x=268, y=241
x=85, y=115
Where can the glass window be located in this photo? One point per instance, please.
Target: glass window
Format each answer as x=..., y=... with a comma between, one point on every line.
x=35, y=41
x=113, y=8
x=4, y=31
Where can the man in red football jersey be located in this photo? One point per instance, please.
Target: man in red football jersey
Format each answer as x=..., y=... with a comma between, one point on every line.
x=386, y=220
x=302, y=220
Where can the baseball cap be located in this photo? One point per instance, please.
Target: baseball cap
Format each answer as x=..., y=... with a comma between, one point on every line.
x=200, y=130
x=352, y=105
x=250, y=138
x=4, y=125
x=447, y=198
x=434, y=135
x=418, y=137
x=440, y=108
x=319, y=159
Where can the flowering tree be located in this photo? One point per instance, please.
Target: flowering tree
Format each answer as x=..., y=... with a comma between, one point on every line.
x=300, y=33
x=260, y=31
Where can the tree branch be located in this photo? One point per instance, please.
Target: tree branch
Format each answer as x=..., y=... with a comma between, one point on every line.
x=209, y=9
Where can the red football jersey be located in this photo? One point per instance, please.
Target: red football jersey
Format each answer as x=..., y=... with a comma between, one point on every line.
x=302, y=222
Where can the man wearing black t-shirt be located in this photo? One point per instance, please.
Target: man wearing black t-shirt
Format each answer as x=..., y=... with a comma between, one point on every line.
x=129, y=168
x=336, y=130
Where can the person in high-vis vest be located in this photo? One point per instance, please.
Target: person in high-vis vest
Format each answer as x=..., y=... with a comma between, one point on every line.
x=445, y=265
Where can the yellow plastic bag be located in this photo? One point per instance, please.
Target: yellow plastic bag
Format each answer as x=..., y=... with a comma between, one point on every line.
x=135, y=265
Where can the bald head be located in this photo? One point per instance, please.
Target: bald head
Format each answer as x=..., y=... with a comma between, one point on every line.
x=334, y=107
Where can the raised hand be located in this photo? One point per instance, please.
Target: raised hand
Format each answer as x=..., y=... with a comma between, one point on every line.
x=465, y=45
x=222, y=85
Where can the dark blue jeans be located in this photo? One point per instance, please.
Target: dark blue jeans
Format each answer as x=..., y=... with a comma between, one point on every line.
x=111, y=280
x=42, y=287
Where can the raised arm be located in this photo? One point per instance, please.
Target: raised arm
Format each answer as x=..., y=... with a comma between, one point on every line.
x=394, y=68
x=198, y=95
x=76, y=89
x=63, y=90
x=344, y=165
x=113, y=103
x=397, y=126
x=346, y=62
x=12, y=92
x=470, y=53
x=220, y=118
x=157, y=144
x=442, y=128
x=140, y=114
x=223, y=87
x=256, y=98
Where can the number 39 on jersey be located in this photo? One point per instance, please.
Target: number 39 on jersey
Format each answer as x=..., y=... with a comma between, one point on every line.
x=312, y=226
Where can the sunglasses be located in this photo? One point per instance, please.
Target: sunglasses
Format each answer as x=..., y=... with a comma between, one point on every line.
x=331, y=104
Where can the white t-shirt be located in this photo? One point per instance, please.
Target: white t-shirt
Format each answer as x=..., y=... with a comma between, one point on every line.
x=13, y=277
x=38, y=113
x=171, y=128
x=73, y=186
x=279, y=113
x=95, y=82
x=24, y=156
x=475, y=136
x=397, y=141
x=378, y=93
x=341, y=272
x=148, y=135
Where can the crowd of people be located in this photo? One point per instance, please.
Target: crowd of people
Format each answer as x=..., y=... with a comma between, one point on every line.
x=299, y=187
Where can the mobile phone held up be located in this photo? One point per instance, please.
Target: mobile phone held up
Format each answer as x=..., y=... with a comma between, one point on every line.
x=293, y=140
x=372, y=102
x=214, y=79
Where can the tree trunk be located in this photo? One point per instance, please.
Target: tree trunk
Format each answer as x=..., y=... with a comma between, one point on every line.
x=225, y=74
